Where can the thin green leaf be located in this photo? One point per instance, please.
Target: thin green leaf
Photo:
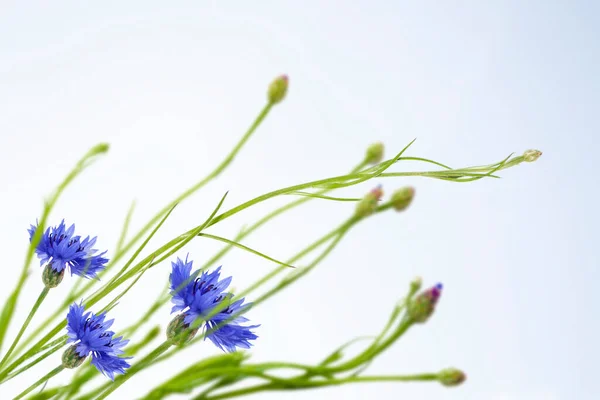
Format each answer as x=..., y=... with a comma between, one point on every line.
x=125, y=229
x=241, y=246
x=320, y=196
x=114, y=301
x=139, y=250
x=424, y=160
x=338, y=353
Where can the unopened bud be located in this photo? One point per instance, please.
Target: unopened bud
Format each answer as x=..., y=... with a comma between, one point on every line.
x=278, y=89
x=531, y=155
x=368, y=204
x=51, y=277
x=451, y=377
x=422, y=306
x=415, y=285
x=402, y=198
x=374, y=153
x=178, y=332
x=71, y=358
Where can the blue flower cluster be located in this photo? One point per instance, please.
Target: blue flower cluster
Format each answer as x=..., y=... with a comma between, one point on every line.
x=61, y=248
x=90, y=334
x=197, y=295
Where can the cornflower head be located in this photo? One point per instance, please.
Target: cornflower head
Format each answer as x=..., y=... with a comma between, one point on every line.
x=91, y=335
x=60, y=248
x=422, y=306
x=196, y=295
x=369, y=203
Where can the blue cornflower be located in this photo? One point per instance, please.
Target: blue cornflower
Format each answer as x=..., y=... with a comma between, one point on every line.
x=90, y=334
x=198, y=296
x=61, y=248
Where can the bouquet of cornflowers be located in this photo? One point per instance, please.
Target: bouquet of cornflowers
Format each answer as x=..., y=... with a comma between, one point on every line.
x=203, y=304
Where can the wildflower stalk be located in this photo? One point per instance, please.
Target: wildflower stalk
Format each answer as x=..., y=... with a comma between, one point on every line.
x=243, y=233
x=295, y=385
x=88, y=372
x=43, y=379
x=328, y=183
x=51, y=351
x=333, y=234
x=11, y=302
x=216, y=172
x=163, y=299
x=337, y=234
x=35, y=307
x=122, y=248
x=197, y=375
x=124, y=231
x=134, y=369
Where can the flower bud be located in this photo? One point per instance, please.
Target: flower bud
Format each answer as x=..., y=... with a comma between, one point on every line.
x=451, y=377
x=71, y=358
x=178, y=332
x=368, y=204
x=415, y=285
x=51, y=277
x=421, y=308
x=277, y=89
x=402, y=198
x=374, y=153
x=531, y=155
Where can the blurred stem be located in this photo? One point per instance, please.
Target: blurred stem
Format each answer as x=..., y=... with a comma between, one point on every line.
x=372, y=351
x=133, y=370
x=310, y=384
x=74, y=294
x=43, y=379
x=165, y=298
x=217, y=171
x=328, y=183
x=34, y=309
x=124, y=231
x=11, y=302
x=34, y=362
x=179, y=241
x=336, y=233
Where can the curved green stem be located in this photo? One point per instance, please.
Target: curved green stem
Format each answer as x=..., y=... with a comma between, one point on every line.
x=133, y=370
x=217, y=171
x=31, y=364
x=34, y=309
x=335, y=182
x=311, y=384
x=124, y=248
x=11, y=302
x=43, y=379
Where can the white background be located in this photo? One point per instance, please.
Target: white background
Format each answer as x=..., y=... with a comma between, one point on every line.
x=173, y=87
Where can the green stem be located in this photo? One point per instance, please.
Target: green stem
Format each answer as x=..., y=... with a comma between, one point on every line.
x=125, y=228
x=372, y=351
x=334, y=182
x=125, y=248
x=217, y=171
x=34, y=309
x=338, y=233
x=43, y=379
x=34, y=362
x=155, y=306
x=9, y=307
x=291, y=385
x=187, y=236
x=134, y=369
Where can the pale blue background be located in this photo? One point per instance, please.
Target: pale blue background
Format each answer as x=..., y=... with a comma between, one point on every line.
x=172, y=87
